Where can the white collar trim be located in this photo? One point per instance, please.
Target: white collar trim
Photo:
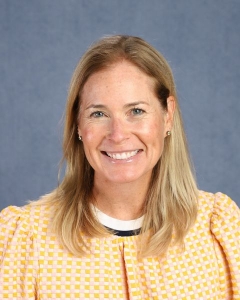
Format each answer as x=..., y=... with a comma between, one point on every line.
x=117, y=224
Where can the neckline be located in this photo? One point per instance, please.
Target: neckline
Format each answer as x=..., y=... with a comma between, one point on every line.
x=116, y=224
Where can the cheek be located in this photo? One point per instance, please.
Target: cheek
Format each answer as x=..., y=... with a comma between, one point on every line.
x=89, y=135
x=90, y=132
x=92, y=136
x=89, y=139
x=155, y=139
x=153, y=130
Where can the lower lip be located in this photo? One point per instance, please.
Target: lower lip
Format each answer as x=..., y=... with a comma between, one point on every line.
x=122, y=161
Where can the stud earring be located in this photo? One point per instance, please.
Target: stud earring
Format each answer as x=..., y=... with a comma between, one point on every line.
x=80, y=138
x=168, y=133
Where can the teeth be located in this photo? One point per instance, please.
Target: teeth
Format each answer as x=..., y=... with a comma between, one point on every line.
x=123, y=155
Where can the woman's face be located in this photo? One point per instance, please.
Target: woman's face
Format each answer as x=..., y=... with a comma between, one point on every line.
x=122, y=124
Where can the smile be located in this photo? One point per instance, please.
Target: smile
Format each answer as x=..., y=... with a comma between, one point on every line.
x=122, y=155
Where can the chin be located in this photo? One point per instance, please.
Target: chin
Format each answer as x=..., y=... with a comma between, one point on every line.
x=124, y=179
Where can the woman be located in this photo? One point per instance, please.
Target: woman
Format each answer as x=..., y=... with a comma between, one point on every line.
x=127, y=221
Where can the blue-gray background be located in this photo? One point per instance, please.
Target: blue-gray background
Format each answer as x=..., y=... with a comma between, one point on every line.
x=40, y=44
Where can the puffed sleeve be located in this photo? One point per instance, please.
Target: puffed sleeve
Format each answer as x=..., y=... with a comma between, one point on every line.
x=18, y=265
x=225, y=225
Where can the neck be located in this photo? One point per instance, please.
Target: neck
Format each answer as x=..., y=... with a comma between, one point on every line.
x=123, y=201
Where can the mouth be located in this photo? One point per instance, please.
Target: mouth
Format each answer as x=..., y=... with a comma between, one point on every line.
x=121, y=155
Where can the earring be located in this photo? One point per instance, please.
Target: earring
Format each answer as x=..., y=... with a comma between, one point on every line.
x=168, y=133
x=80, y=138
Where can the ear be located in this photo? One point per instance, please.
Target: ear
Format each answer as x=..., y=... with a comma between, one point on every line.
x=79, y=131
x=171, y=103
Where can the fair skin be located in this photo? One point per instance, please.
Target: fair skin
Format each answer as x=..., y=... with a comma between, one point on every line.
x=123, y=128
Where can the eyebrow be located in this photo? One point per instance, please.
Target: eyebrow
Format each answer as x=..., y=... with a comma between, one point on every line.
x=95, y=106
x=126, y=105
x=136, y=103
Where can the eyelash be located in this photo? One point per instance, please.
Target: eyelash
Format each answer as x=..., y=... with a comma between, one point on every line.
x=134, y=111
x=95, y=114
x=139, y=110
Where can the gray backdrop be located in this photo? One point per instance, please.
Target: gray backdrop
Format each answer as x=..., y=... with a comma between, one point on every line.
x=40, y=44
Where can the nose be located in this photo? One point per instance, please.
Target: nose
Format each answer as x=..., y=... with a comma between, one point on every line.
x=118, y=130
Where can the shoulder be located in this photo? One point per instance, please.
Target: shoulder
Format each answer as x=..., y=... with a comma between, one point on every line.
x=222, y=217
x=221, y=212
x=26, y=220
x=216, y=208
x=14, y=217
x=216, y=204
x=21, y=229
x=225, y=220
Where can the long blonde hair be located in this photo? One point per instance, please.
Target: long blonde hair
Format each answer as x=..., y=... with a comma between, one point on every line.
x=171, y=203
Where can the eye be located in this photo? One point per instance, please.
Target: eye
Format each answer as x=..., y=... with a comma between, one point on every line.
x=137, y=111
x=97, y=114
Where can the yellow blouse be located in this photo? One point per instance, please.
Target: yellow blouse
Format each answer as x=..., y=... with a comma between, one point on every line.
x=34, y=266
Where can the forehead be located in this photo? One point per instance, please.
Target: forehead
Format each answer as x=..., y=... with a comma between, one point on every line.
x=121, y=75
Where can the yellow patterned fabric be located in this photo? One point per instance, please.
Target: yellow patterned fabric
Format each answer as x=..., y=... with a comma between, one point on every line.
x=34, y=266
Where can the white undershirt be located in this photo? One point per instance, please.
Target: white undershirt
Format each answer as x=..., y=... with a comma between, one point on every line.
x=117, y=224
